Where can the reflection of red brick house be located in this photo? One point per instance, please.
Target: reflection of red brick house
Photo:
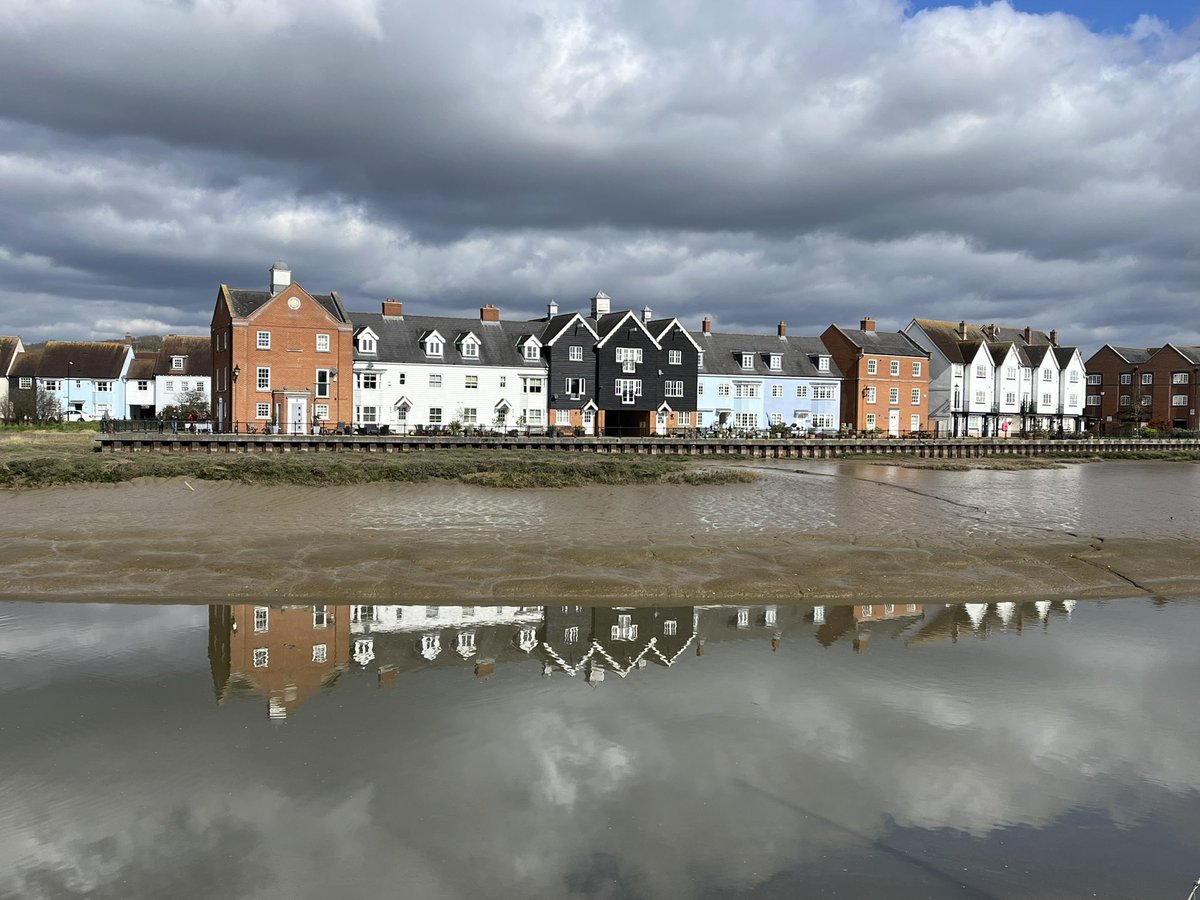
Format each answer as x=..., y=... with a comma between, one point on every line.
x=885, y=378
x=277, y=356
x=286, y=654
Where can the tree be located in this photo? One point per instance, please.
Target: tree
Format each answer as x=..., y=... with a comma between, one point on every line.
x=46, y=406
x=193, y=401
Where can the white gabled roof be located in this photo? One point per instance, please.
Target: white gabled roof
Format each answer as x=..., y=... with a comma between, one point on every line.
x=675, y=323
x=630, y=314
x=568, y=324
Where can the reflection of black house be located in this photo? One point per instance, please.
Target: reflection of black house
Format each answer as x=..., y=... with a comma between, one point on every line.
x=597, y=640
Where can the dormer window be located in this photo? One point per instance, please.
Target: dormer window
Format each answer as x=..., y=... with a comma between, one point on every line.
x=532, y=352
x=776, y=362
x=176, y=362
x=700, y=359
x=367, y=341
x=469, y=350
x=747, y=360
x=433, y=344
x=823, y=364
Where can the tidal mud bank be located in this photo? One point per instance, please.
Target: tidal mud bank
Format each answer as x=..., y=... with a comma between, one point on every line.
x=839, y=532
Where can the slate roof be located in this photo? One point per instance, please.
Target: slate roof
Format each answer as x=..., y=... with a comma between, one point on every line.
x=243, y=303
x=8, y=350
x=555, y=324
x=608, y=322
x=399, y=340
x=88, y=359
x=1036, y=354
x=196, y=350
x=1134, y=354
x=948, y=337
x=1063, y=355
x=142, y=367
x=883, y=343
x=999, y=352
x=27, y=364
x=723, y=354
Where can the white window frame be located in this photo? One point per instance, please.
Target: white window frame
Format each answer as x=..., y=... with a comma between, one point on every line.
x=262, y=619
x=894, y=368
x=675, y=357
x=322, y=343
x=262, y=411
x=575, y=353
x=261, y=657
x=320, y=653
x=262, y=378
x=872, y=367
x=262, y=340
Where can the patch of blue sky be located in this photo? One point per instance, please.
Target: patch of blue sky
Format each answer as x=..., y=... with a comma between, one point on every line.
x=1098, y=15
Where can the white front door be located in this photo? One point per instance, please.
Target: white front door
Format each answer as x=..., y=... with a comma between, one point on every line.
x=297, y=418
x=893, y=422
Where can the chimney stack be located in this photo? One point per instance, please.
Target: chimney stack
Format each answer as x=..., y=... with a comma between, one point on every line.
x=393, y=307
x=962, y=330
x=706, y=325
x=1027, y=334
x=647, y=314
x=782, y=328
x=992, y=331
x=1053, y=338
x=551, y=309
x=601, y=305
x=867, y=324
x=489, y=312
x=281, y=277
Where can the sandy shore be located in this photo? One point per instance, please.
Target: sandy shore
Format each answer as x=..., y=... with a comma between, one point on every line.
x=841, y=533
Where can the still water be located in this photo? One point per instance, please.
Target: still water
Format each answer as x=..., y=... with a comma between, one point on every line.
x=1002, y=750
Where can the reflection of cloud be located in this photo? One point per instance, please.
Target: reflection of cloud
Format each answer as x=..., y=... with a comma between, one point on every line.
x=575, y=759
x=704, y=779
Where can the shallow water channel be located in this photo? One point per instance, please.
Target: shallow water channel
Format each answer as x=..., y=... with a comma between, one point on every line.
x=895, y=750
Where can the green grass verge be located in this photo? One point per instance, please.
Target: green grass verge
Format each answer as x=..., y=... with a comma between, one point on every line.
x=44, y=459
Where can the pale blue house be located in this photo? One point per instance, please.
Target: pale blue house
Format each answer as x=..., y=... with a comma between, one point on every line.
x=88, y=377
x=752, y=382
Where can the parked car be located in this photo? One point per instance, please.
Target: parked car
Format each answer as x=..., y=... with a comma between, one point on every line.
x=77, y=415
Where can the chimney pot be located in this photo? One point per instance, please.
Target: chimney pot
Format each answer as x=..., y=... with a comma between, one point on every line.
x=706, y=325
x=782, y=328
x=393, y=307
x=1028, y=335
x=962, y=330
x=489, y=312
x=867, y=324
x=1053, y=338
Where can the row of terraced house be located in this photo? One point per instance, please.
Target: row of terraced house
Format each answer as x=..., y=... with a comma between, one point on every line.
x=284, y=359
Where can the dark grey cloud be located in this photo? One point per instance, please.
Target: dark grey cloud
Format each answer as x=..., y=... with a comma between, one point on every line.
x=802, y=161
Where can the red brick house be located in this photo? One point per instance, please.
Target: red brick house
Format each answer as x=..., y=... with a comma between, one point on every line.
x=277, y=357
x=1128, y=387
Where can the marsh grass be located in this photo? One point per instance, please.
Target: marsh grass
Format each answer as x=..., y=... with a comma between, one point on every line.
x=32, y=459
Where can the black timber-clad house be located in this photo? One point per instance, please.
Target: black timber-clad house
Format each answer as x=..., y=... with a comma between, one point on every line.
x=569, y=351
x=619, y=373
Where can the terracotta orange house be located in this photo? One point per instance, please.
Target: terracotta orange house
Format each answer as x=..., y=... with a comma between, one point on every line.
x=282, y=358
x=885, y=379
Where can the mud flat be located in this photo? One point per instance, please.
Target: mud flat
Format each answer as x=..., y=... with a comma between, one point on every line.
x=837, y=532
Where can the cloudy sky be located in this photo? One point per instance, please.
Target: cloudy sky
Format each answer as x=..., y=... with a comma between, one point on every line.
x=804, y=160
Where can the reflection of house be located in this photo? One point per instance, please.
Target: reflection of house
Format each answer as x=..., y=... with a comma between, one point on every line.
x=593, y=641
x=283, y=653
x=390, y=639
x=984, y=619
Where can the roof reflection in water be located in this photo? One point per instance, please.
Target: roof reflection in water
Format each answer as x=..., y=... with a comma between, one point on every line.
x=289, y=653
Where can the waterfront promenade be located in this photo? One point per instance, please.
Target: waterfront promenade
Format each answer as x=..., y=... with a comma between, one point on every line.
x=767, y=448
